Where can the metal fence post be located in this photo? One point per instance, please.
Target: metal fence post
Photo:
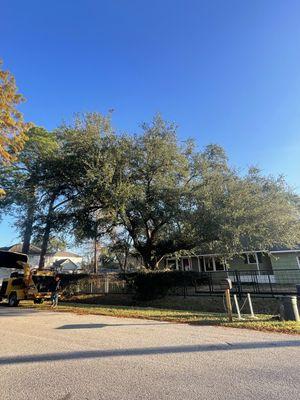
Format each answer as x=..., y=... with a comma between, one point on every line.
x=271, y=286
x=184, y=284
x=210, y=283
x=106, y=284
x=238, y=285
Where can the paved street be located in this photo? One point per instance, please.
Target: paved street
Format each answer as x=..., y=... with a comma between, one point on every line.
x=46, y=355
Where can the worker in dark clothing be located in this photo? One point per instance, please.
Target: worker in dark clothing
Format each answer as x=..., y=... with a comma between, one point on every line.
x=55, y=292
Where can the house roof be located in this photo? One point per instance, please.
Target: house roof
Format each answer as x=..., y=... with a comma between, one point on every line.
x=276, y=249
x=63, y=260
x=273, y=250
x=280, y=249
x=17, y=248
x=65, y=254
x=34, y=250
x=60, y=263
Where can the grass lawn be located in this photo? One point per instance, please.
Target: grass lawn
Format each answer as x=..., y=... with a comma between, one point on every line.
x=262, y=323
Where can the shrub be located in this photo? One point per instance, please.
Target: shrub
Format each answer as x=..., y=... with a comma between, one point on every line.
x=151, y=285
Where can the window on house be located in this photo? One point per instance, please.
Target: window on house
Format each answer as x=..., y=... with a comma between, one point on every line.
x=186, y=265
x=259, y=257
x=201, y=263
x=209, y=264
x=220, y=264
x=250, y=258
x=205, y=264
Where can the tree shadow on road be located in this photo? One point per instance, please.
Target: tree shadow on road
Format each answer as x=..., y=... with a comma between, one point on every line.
x=149, y=351
x=94, y=326
x=6, y=311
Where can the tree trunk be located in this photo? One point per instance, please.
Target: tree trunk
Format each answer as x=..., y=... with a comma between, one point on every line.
x=29, y=225
x=125, y=261
x=149, y=262
x=46, y=235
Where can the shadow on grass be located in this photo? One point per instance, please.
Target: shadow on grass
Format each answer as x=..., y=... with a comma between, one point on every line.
x=206, y=322
x=159, y=315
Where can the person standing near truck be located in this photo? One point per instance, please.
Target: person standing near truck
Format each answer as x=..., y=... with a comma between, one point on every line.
x=55, y=292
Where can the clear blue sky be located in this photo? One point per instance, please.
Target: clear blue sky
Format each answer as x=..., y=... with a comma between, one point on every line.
x=227, y=72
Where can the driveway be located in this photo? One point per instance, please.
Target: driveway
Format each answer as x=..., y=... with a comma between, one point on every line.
x=64, y=356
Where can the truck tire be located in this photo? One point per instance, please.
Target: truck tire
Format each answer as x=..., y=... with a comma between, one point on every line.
x=13, y=300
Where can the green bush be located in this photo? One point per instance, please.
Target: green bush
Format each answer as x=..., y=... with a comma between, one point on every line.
x=156, y=284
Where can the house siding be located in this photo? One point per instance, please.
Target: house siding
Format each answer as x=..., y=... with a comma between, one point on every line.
x=34, y=260
x=50, y=260
x=235, y=263
x=195, y=264
x=282, y=268
x=238, y=263
x=282, y=262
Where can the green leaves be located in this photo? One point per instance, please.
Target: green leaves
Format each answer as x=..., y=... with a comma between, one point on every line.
x=163, y=195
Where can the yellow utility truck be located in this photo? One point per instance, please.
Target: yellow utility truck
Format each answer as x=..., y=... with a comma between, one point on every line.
x=23, y=283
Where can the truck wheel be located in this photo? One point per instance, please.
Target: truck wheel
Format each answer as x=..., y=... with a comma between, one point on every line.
x=38, y=301
x=13, y=300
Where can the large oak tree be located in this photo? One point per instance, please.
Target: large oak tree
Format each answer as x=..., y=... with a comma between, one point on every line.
x=179, y=199
x=163, y=195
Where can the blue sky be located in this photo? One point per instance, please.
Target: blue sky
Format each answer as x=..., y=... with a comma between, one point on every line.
x=226, y=72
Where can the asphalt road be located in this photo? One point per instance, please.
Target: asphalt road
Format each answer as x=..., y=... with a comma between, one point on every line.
x=64, y=356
